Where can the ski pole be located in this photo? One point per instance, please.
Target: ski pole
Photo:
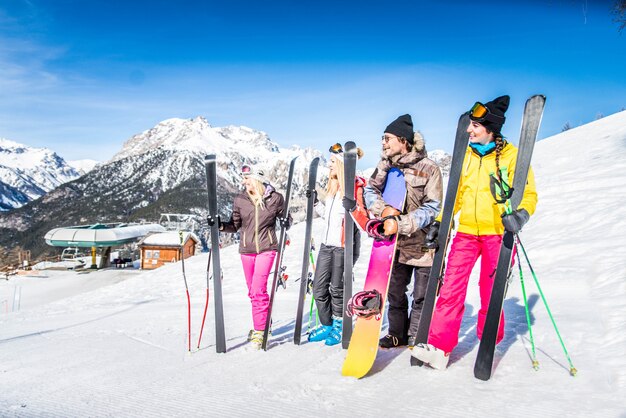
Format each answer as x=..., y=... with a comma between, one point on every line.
x=206, y=304
x=572, y=369
x=312, y=260
x=182, y=259
x=530, y=330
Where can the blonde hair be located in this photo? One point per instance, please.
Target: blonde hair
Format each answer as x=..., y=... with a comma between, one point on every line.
x=331, y=188
x=259, y=193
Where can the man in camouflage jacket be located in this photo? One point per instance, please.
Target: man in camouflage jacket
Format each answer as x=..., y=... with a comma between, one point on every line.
x=405, y=150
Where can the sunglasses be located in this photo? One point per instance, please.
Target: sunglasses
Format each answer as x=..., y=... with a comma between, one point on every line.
x=386, y=138
x=480, y=113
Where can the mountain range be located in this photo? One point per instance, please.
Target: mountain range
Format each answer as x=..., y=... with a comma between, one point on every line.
x=27, y=173
x=160, y=170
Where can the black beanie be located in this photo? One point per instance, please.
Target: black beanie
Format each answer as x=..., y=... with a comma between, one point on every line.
x=496, y=107
x=403, y=126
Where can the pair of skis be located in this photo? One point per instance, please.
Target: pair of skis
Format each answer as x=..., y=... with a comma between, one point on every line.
x=278, y=266
x=308, y=235
x=349, y=159
x=533, y=112
x=214, y=253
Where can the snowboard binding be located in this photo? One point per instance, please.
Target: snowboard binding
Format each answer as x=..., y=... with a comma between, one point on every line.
x=365, y=304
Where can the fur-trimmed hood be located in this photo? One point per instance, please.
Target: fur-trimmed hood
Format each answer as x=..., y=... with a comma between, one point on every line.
x=418, y=142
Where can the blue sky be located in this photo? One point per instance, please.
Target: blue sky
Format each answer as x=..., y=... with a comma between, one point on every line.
x=81, y=77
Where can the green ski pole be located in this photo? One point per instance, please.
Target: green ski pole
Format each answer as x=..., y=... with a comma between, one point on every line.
x=572, y=369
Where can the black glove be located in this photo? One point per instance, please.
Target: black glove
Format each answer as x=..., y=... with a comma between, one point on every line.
x=514, y=221
x=432, y=236
x=308, y=193
x=348, y=204
x=283, y=222
x=212, y=220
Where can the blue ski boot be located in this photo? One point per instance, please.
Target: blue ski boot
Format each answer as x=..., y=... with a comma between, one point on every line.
x=320, y=333
x=334, y=337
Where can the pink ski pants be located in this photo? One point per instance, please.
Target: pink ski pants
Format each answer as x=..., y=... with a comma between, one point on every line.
x=256, y=268
x=446, y=322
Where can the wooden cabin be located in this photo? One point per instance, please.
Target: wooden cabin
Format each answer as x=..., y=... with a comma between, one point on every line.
x=165, y=247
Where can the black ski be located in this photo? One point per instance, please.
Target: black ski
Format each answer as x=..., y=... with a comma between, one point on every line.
x=211, y=179
x=349, y=173
x=533, y=112
x=304, y=278
x=436, y=272
x=278, y=264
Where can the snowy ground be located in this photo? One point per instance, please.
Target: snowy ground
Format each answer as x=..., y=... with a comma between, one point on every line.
x=113, y=342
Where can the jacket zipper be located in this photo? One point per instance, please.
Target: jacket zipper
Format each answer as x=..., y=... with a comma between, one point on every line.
x=480, y=165
x=330, y=211
x=256, y=228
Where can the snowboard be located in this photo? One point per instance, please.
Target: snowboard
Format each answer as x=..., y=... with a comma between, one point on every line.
x=364, y=342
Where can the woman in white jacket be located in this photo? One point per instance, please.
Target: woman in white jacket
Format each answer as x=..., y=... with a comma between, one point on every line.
x=328, y=280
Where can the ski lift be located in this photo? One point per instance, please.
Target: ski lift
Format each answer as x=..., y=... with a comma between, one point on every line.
x=71, y=253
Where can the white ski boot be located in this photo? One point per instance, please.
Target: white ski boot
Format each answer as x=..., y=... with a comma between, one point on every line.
x=431, y=355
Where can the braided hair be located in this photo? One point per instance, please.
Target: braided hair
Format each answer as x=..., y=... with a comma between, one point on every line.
x=499, y=140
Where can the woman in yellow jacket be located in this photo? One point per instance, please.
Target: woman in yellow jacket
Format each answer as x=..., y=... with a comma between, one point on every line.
x=489, y=160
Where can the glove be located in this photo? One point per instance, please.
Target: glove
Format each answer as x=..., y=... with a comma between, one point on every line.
x=390, y=226
x=283, y=222
x=431, y=236
x=212, y=220
x=514, y=221
x=348, y=204
x=308, y=193
x=375, y=229
x=390, y=219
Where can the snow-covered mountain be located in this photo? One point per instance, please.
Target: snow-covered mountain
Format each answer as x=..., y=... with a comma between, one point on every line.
x=161, y=170
x=27, y=173
x=83, y=166
x=442, y=159
x=188, y=141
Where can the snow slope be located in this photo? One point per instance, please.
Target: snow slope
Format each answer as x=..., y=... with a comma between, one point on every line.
x=118, y=347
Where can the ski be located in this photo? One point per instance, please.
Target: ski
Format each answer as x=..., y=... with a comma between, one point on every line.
x=364, y=342
x=445, y=229
x=533, y=112
x=279, y=256
x=304, y=280
x=349, y=173
x=211, y=179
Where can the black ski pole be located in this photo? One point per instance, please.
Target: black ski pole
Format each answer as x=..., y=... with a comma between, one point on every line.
x=182, y=259
x=206, y=304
